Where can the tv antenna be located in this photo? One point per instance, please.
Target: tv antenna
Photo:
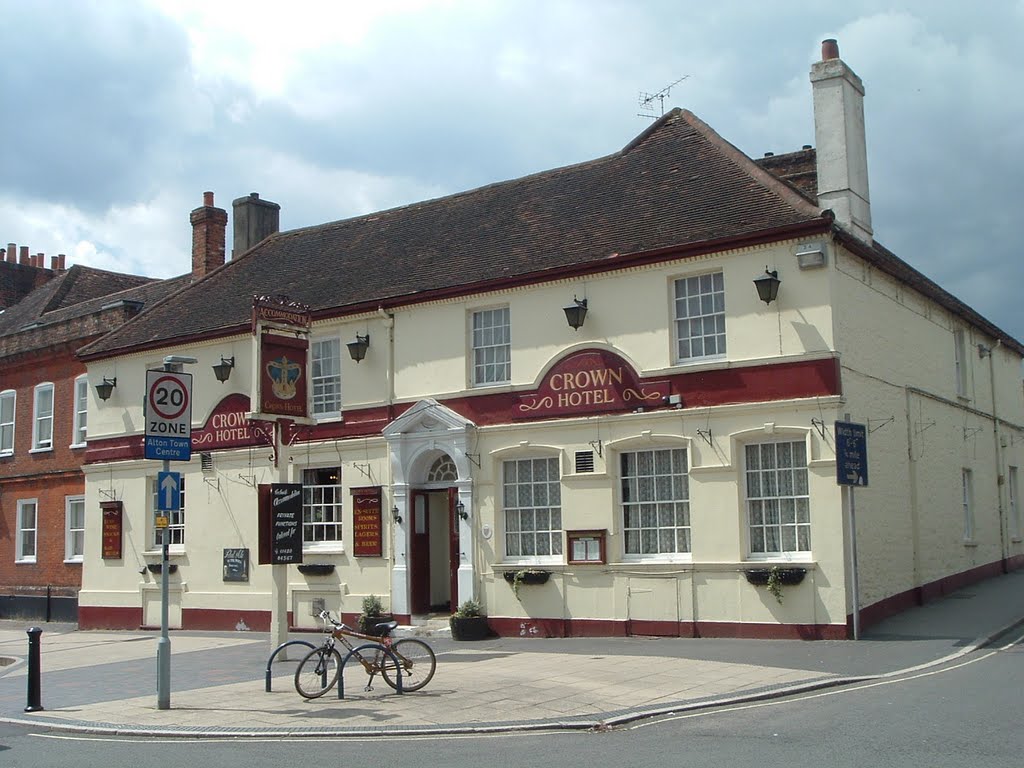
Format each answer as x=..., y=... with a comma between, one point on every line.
x=647, y=100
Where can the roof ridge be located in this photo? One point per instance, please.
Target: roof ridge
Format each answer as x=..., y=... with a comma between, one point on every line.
x=749, y=166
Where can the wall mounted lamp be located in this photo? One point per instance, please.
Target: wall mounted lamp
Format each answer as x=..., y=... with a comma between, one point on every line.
x=576, y=313
x=357, y=349
x=395, y=516
x=222, y=370
x=106, y=389
x=461, y=509
x=767, y=286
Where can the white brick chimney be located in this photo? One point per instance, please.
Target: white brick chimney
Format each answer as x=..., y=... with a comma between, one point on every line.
x=841, y=144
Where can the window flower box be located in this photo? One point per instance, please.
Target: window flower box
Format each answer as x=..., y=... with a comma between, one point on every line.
x=316, y=569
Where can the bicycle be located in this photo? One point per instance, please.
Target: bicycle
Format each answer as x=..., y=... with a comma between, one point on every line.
x=318, y=672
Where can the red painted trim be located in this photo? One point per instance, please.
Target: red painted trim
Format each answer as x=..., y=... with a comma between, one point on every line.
x=753, y=384
x=933, y=590
x=108, y=617
x=226, y=620
x=541, y=627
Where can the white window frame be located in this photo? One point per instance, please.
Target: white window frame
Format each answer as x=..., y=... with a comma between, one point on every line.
x=646, y=478
x=960, y=361
x=490, y=341
x=967, y=503
x=40, y=418
x=80, y=410
x=7, y=426
x=21, y=556
x=74, y=531
x=698, y=317
x=176, y=528
x=1013, y=492
x=761, y=487
x=515, y=512
x=320, y=380
x=328, y=499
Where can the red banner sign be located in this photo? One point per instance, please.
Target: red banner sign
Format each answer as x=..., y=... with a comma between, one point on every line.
x=283, y=375
x=367, y=531
x=591, y=381
x=229, y=427
x=112, y=529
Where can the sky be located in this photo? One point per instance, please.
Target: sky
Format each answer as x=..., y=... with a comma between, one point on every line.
x=118, y=114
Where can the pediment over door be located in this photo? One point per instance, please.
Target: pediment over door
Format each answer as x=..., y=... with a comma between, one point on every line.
x=427, y=417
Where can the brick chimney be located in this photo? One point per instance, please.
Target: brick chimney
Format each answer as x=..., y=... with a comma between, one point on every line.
x=255, y=220
x=841, y=142
x=209, y=230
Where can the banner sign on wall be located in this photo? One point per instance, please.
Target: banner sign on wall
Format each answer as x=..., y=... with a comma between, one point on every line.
x=367, y=530
x=113, y=527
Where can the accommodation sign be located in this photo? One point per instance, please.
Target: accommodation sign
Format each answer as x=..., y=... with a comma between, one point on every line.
x=591, y=381
x=285, y=523
x=367, y=531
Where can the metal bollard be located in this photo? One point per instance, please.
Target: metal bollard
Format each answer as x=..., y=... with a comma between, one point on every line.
x=34, y=699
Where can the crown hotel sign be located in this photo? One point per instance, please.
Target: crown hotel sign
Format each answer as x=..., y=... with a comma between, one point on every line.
x=282, y=330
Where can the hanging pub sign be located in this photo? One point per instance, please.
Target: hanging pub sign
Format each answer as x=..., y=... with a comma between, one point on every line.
x=591, y=381
x=367, y=530
x=279, y=312
x=280, y=522
x=113, y=527
x=283, y=375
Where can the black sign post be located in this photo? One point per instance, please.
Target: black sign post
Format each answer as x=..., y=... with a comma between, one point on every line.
x=852, y=471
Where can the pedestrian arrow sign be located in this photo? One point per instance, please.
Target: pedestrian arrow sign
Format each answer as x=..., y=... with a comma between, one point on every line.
x=168, y=491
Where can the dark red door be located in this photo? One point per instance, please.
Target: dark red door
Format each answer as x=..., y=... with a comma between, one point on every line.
x=419, y=554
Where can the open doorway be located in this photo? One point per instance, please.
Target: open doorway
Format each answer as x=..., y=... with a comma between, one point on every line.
x=433, y=551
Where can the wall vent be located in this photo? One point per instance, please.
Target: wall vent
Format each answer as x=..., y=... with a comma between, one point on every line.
x=206, y=461
x=584, y=461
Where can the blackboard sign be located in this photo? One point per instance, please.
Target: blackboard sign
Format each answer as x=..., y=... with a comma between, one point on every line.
x=236, y=565
x=285, y=523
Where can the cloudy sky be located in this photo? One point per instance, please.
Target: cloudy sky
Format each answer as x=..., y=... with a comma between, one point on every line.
x=118, y=114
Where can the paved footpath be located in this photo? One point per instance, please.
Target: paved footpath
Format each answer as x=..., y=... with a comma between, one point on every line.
x=105, y=682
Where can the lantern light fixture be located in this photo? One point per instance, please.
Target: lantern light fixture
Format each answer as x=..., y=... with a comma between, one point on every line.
x=767, y=285
x=395, y=516
x=461, y=509
x=576, y=313
x=222, y=370
x=106, y=389
x=357, y=349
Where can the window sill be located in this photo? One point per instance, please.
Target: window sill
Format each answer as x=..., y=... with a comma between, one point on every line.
x=73, y=561
x=335, y=549
x=47, y=449
x=171, y=552
x=970, y=543
x=25, y=561
x=6, y=454
x=681, y=558
x=1016, y=539
x=76, y=446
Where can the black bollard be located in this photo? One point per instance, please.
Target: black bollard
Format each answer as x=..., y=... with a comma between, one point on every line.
x=34, y=700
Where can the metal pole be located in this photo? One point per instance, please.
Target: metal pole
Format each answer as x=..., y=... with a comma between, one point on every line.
x=163, y=645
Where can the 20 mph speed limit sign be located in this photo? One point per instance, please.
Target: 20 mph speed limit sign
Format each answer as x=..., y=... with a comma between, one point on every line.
x=168, y=415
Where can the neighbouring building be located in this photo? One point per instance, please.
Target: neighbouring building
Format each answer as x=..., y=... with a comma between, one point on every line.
x=48, y=314
x=564, y=396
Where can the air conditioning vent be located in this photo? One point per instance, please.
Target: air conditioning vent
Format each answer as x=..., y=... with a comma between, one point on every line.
x=584, y=461
x=206, y=461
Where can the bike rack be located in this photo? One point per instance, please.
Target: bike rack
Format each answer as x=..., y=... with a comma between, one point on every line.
x=280, y=648
x=374, y=647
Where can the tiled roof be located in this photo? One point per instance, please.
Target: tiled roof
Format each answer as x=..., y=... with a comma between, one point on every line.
x=48, y=315
x=678, y=183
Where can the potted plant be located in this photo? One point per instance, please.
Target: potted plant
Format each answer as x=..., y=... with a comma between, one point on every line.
x=372, y=615
x=469, y=622
x=526, y=576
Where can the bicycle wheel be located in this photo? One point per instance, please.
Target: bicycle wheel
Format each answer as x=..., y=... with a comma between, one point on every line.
x=417, y=660
x=318, y=672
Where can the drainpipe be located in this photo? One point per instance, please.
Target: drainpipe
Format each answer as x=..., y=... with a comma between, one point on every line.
x=389, y=322
x=1000, y=478
x=915, y=527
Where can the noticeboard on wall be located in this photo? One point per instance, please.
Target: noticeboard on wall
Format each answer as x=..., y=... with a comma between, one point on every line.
x=367, y=528
x=236, y=564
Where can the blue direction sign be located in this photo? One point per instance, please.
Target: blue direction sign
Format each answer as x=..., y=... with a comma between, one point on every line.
x=168, y=491
x=851, y=453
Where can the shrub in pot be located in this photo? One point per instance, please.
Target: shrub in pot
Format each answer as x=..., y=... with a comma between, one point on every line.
x=469, y=622
x=372, y=615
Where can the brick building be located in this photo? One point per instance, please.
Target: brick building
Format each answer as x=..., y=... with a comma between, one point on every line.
x=48, y=314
